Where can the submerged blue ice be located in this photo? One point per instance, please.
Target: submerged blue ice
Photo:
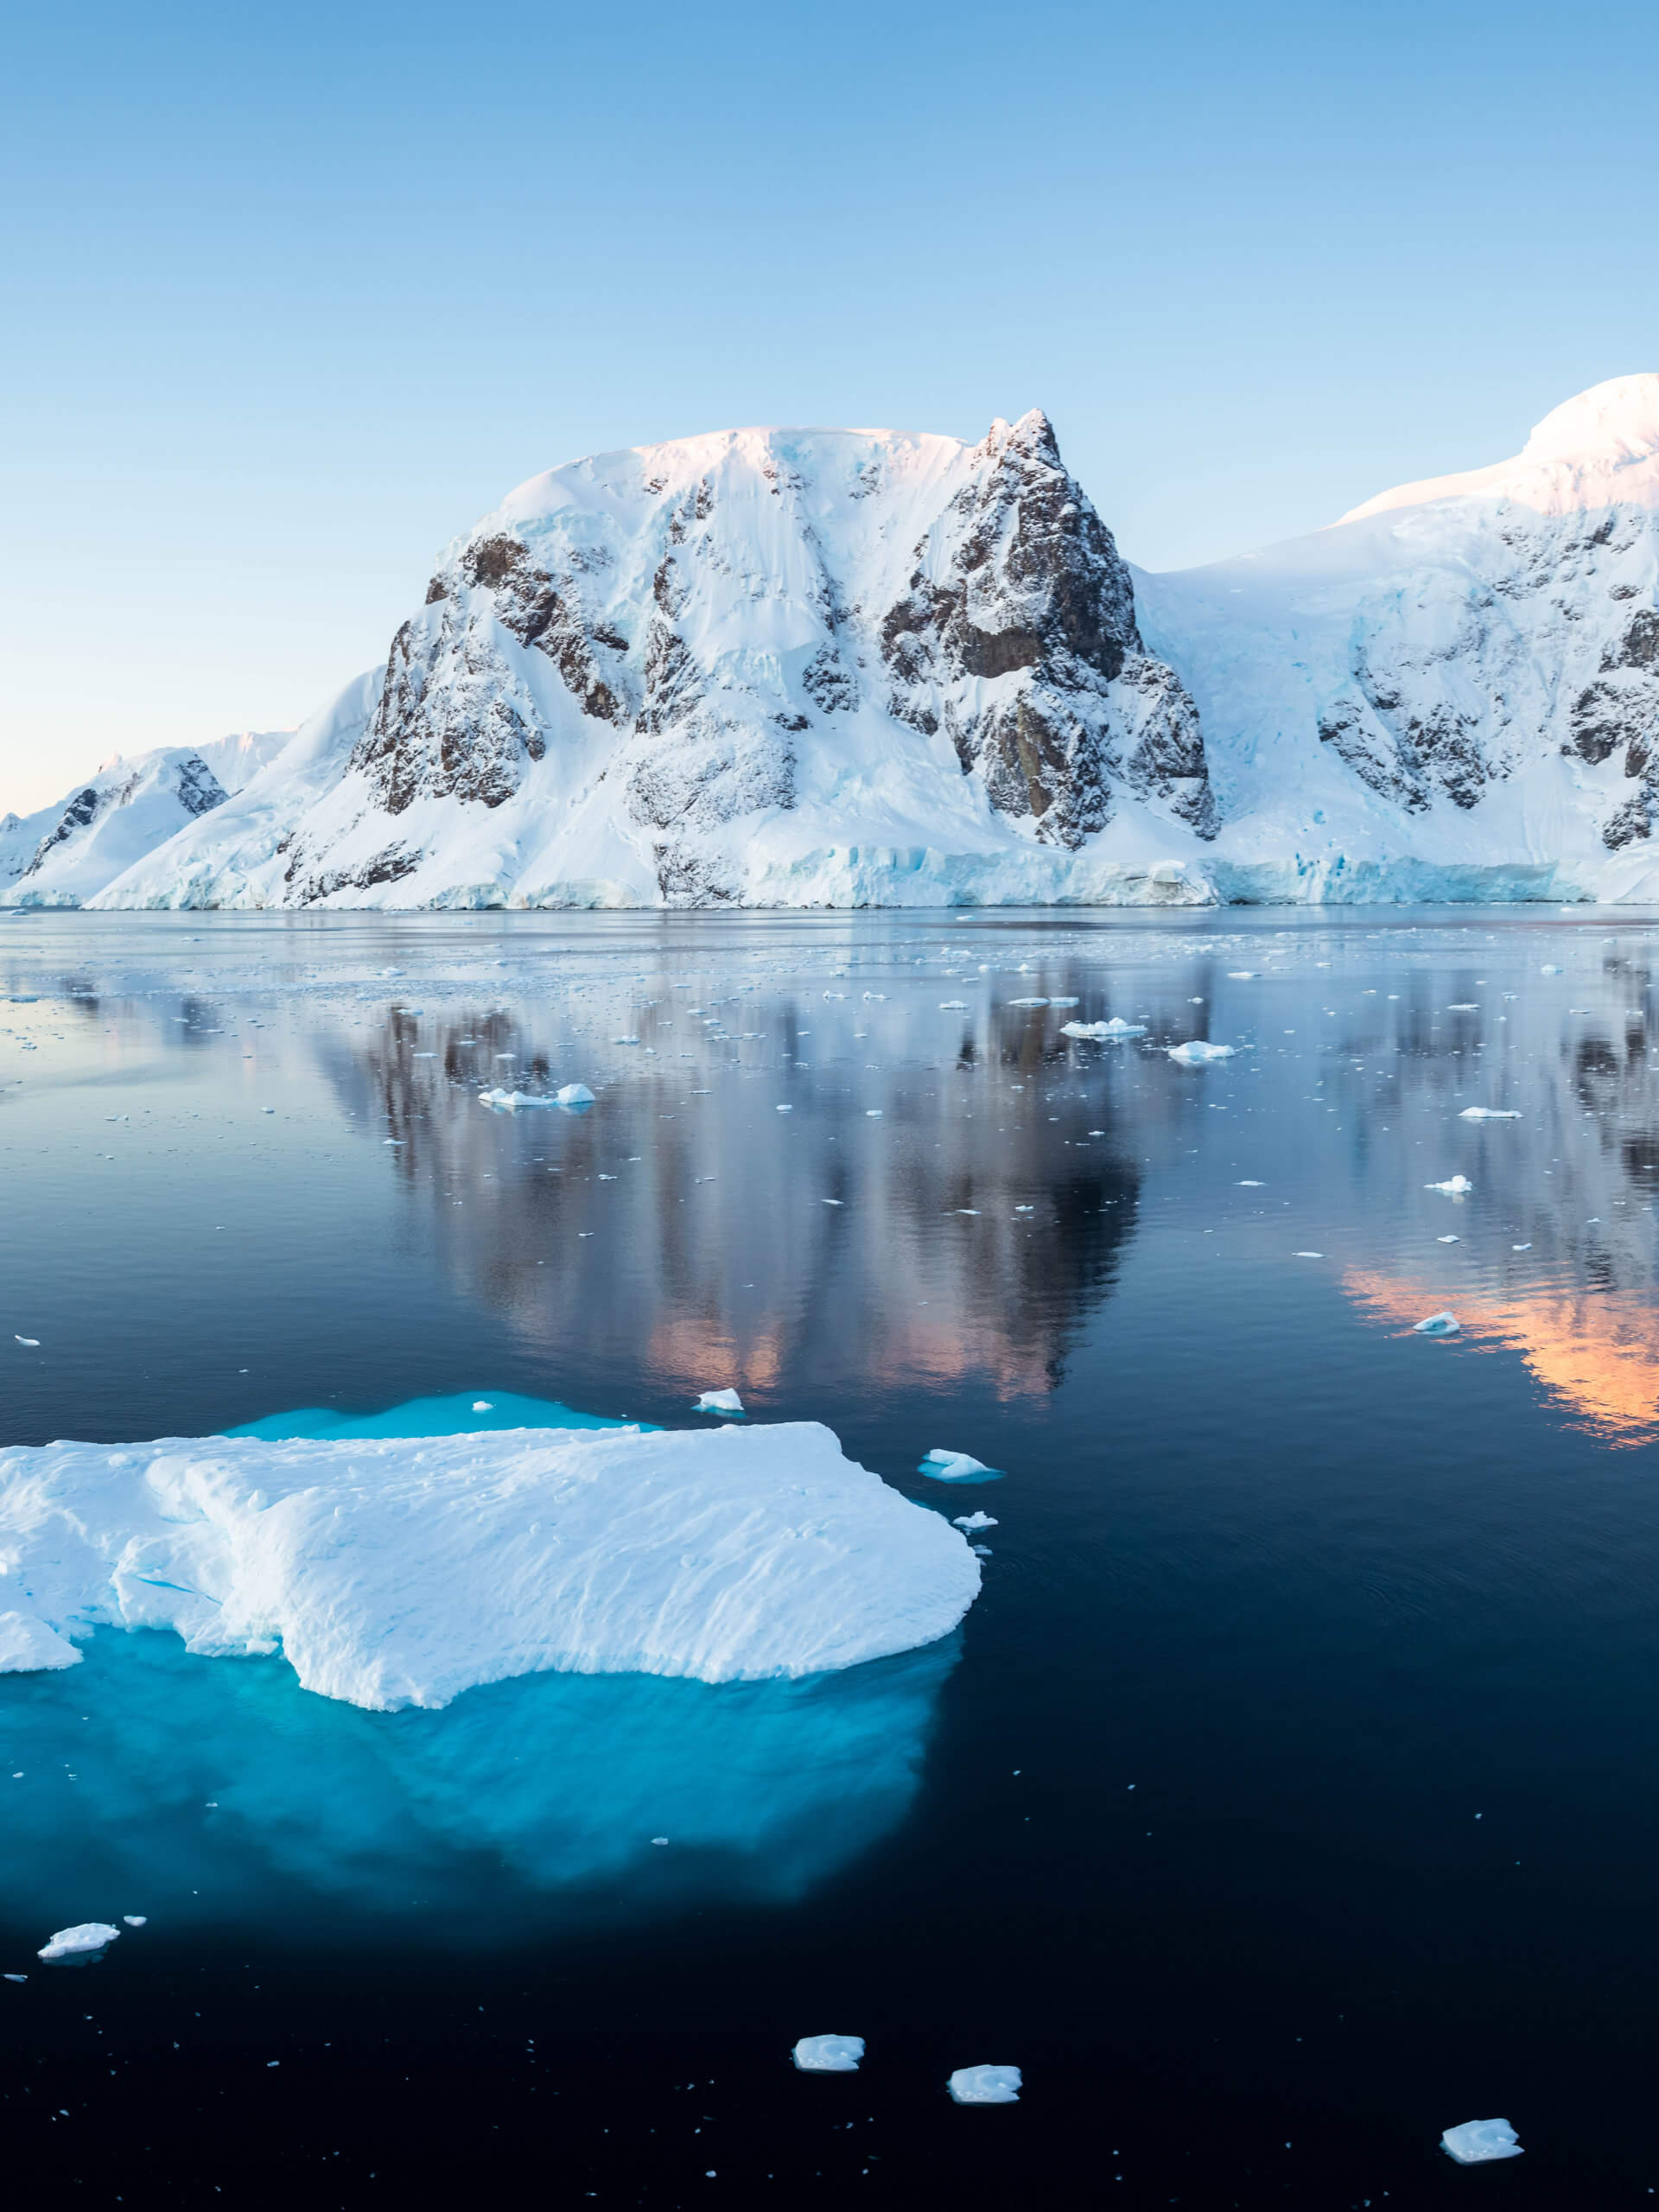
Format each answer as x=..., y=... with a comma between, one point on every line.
x=202, y=1790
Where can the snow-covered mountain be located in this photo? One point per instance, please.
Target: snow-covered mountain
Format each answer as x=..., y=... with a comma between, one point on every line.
x=1453, y=692
x=769, y=666
x=793, y=667
x=61, y=854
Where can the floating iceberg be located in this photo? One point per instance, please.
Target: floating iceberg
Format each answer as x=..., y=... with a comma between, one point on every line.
x=1490, y=1113
x=1437, y=1324
x=78, y=1946
x=1456, y=1184
x=1098, y=1032
x=1029, y=1001
x=1476, y=2140
x=958, y=1467
x=402, y=1570
x=973, y=1520
x=829, y=2053
x=574, y=1094
x=985, y=2085
x=509, y=1102
x=1199, y=1052
x=719, y=1402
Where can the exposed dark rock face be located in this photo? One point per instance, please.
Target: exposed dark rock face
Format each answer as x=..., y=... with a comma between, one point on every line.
x=1019, y=580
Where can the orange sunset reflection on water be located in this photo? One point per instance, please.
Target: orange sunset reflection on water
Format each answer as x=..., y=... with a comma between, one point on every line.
x=1596, y=1352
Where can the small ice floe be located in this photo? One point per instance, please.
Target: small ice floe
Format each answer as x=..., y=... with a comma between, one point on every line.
x=509, y=1102
x=78, y=1947
x=1099, y=1032
x=958, y=1467
x=1307, y=1255
x=34, y=1342
x=1549, y=969
x=483, y=1406
x=16, y=1977
x=1240, y=975
x=1448, y=1240
x=973, y=1520
x=1521, y=1248
x=949, y=1006
x=1066, y=1001
x=1199, y=1052
x=1477, y=2141
x=1490, y=1113
x=834, y=1202
x=625, y=1040
x=1249, y=1183
x=1456, y=1184
x=873, y=1113
x=1437, y=1324
x=1465, y=1006
x=573, y=1095
x=135, y=1919
x=1027, y=1001
x=829, y=2053
x=786, y=1109
x=985, y=2085
x=719, y=1402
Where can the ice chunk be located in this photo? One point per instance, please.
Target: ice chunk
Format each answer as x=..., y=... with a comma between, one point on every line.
x=1240, y=975
x=1027, y=1001
x=1476, y=2140
x=1437, y=1324
x=719, y=1402
x=574, y=1094
x=34, y=1342
x=509, y=1102
x=1199, y=1052
x=958, y=1467
x=1457, y=1185
x=1100, y=1031
x=985, y=2085
x=1549, y=969
x=973, y=1521
x=135, y=1919
x=28, y=1646
x=1249, y=1183
x=1490, y=1113
x=1307, y=1255
x=400, y=1571
x=829, y=2053
x=482, y=1406
x=948, y=1006
x=78, y=1946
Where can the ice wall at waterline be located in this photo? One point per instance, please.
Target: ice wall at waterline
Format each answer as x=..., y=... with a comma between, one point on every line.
x=397, y=1572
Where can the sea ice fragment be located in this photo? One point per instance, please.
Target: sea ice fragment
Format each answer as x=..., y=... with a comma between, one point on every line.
x=78, y=1946
x=957, y=1467
x=1477, y=2141
x=1490, y=1113
x=719, y=1402
x=1457, y=1185
x=1100, y=1031
x=829, y=2053
x=1198, y=1053
x=1437, y=1324
x=985, y=2085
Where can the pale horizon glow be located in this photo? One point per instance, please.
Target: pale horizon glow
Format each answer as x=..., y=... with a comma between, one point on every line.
x=293, y=302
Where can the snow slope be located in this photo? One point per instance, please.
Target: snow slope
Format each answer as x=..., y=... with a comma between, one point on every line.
x=59, y=856
x=764, y=666
x=1451, y=693
x=393, y=1571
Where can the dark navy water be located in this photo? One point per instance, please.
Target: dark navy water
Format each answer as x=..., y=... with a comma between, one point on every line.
x=1289, y=1792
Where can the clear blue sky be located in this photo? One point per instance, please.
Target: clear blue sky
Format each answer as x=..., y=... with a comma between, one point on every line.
x=292, y=295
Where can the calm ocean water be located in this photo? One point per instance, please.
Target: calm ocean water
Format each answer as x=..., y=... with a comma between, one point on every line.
x=1287, y=1797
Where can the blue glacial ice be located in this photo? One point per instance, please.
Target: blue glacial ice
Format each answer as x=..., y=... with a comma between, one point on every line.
x=1477, y=2141
x=829, y=2053
x=985, y=2085
x=216, y=1789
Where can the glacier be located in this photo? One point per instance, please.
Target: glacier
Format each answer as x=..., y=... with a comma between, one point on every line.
x=400, y=1571
x=842, y=668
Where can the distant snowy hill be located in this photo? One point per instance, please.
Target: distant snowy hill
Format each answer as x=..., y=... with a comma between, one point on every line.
x=772, y=667
x=1451, y=693
x=849, y=667
x=61, y=854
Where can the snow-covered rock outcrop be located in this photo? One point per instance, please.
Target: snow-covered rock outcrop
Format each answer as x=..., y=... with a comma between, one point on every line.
x=62, y=855
x=762, y=666
x=398, y=1571
x=1451, y=692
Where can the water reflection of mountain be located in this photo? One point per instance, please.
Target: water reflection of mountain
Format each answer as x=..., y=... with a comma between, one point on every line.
x=1560, y=1229
x=962, y=1230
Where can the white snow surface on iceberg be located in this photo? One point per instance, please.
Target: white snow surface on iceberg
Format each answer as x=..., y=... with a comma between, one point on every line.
x=1199, y=1052
x=985, y=2085
x=399, y=1572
